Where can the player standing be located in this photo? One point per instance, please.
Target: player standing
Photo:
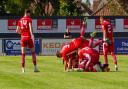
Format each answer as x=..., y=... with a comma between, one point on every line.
x=24, y=28
x=108, y=34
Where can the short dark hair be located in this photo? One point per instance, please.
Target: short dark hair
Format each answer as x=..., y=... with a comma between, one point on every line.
x=27, y=11
x=58, y=54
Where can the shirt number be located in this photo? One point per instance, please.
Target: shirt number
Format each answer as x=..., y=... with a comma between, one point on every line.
x=23, y=24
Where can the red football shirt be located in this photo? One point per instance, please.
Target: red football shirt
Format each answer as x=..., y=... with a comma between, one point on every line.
x=71, y=47
x=92, y=52
x=107, y=27
x=23, y=23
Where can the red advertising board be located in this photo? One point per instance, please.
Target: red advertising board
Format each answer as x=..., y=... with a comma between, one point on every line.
x=12, y=23
x=125, y=24
x=44, y=24
x=98, y=25
x=73, y=23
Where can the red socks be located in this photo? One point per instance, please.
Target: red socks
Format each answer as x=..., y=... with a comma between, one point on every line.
x=23, y=59
x=34, y=58
x=114, y=58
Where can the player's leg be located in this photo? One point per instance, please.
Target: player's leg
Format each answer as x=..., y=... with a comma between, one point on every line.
x=113, y=56
x=115, y=61
x=105, y=52
x=82, y=30
x=23, y=47
x=32, y=48
x=97, y=43
x=34, y=59
x=23, y=59
x=96, y=63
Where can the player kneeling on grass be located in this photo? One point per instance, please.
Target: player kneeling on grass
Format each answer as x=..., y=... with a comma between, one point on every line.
x=68, y=49
x=66, y=54
x=88, y=58
x=24, y=28
x=89, y=61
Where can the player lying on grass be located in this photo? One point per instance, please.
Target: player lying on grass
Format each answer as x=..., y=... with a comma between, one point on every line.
x=24, y=28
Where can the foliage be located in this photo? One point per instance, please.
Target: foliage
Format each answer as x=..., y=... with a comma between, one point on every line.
x=59, y=7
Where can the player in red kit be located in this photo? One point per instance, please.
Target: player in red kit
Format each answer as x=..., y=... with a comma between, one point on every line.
x=88, y=58
x=24, y=28
x=68, y=49
x=108, y=34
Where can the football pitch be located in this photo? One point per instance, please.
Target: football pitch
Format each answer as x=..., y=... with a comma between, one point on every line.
x=52, y=76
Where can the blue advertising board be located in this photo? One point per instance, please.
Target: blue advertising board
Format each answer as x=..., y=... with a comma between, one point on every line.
x=121, y=46
x=13, y=47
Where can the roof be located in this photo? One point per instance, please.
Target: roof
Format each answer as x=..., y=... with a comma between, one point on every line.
x=107, y=8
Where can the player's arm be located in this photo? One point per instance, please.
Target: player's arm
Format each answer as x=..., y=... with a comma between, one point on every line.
x=65, y=62
x=18, y=30
x=31, y=30
x=80, y=56
x=88, y=62
x=75, y=51
x=65, y=65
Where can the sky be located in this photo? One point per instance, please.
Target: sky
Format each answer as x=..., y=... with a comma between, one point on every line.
x=90, y=1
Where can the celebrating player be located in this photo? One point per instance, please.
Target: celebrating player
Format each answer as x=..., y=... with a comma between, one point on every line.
x=24, y=28
x=108, y=34
x=71, y=48
x=88, y=58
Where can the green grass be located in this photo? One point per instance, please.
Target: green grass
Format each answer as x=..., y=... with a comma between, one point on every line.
x=52, y=76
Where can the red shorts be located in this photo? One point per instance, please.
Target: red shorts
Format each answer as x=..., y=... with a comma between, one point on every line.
x=27, y=41
x=108, y=48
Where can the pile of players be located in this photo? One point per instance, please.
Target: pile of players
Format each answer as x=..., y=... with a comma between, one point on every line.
x=80, y=55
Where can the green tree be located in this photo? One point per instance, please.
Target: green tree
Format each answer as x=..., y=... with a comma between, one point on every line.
x=41, y=7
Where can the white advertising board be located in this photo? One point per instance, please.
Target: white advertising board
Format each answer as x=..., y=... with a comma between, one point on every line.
x=0, y=47
x=9, y=26
x=51, y=46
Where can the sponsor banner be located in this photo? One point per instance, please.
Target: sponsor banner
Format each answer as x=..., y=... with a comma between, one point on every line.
x=51, y=46
x=73, y=24
x=13, y=47
x=98, y=25
x=125, y=23
x=44, y=24
x=0, y=46
x=121, y=46
x=12, y=23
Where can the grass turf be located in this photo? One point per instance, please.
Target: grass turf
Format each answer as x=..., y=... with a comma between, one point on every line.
x=52, y=76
